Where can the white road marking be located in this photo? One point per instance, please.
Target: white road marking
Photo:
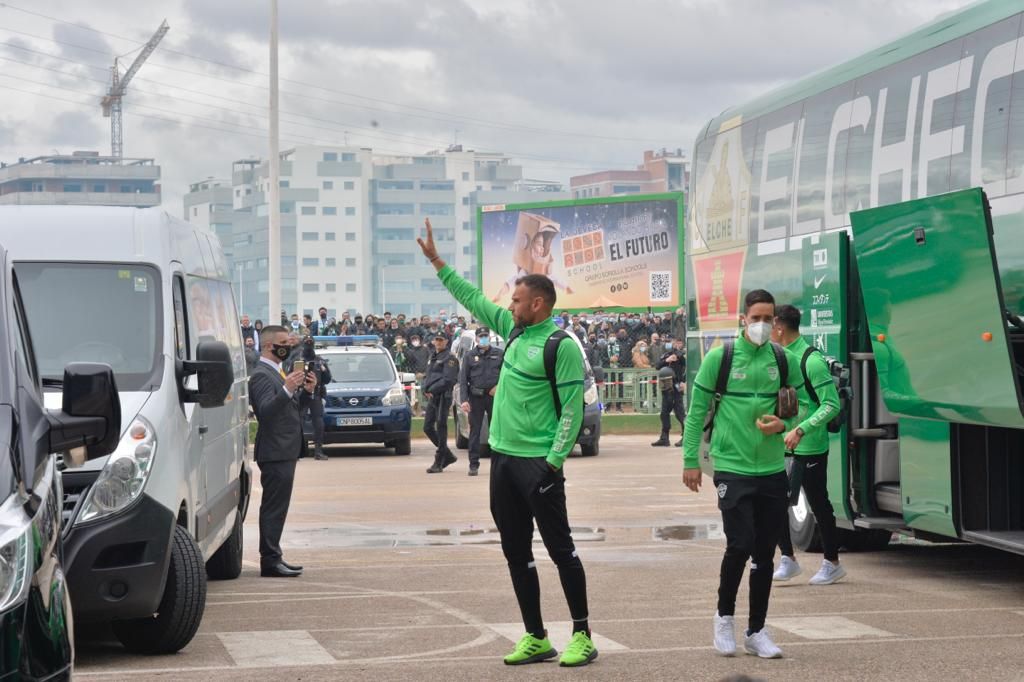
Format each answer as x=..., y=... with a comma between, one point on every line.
x=559, y=633
x=274, y=648
x=827, y=627
x=464, y=659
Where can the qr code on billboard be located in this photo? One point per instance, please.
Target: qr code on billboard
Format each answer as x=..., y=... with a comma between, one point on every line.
x=661, y=286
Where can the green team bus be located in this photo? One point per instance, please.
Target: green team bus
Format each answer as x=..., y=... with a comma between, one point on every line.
x=885, y=198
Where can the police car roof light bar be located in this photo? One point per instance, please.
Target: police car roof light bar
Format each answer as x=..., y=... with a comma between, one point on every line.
x=357, y=340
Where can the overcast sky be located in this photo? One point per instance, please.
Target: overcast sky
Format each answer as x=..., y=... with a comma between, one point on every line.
x=565, y=86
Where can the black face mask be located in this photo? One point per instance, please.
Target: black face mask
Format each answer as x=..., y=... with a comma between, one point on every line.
x=282, y=351
x=323, y=316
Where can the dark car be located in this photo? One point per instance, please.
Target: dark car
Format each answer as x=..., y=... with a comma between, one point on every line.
x=589, y=439
x=367, y=401
x=35, y=607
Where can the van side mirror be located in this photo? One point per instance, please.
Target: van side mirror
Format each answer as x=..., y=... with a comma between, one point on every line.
x=90, y=413
x=216, y=374
x=408, y=378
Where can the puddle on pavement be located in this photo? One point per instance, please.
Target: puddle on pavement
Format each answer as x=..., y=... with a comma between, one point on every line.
x=697, y=531
x=376, y=538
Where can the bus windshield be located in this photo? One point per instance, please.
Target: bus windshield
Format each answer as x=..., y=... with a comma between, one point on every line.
x=95, y=312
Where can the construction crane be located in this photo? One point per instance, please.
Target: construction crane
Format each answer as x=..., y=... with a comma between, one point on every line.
x=111, y=102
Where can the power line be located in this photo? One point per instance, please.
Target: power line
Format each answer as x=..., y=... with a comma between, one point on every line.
x=447, y=116
x=292, y=139
x=344, y=127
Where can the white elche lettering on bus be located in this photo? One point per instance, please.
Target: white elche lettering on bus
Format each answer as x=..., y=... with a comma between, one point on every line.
x=958, y=135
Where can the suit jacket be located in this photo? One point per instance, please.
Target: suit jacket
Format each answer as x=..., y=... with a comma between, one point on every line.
x=279, y=436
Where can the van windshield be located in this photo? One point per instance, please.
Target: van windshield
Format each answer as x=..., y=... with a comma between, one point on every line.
x=351, y=368
x=95, y=312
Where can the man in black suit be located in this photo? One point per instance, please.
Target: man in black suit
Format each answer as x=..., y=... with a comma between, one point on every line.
x=277, y=400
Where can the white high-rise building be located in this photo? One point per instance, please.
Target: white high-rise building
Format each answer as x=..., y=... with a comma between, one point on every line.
x=349, y=222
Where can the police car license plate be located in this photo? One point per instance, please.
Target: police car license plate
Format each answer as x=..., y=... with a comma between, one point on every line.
x=355, y=421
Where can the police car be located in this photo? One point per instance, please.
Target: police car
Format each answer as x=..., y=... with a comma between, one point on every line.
x=367, y=401
x=589, y=439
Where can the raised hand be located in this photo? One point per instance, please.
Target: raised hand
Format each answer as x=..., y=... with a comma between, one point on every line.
x=427, y=246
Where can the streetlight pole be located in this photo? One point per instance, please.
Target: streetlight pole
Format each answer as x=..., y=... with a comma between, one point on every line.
x=273, y=195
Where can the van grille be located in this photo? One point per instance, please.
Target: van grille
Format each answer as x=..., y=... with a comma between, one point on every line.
x=342, y=402
x=76, y=485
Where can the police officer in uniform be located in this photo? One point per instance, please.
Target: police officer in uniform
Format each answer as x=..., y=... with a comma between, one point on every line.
x=478, y=379
x=442, y=374
x=672, y=395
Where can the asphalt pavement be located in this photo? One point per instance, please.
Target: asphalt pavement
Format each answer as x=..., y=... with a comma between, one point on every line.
x=404, y=580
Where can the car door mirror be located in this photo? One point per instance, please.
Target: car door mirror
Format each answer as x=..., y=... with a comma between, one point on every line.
x=90, y=414
x=408, y=378
x=214, y=371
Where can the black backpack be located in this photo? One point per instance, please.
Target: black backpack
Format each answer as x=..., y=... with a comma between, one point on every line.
x=728, y=346
x=840, y=377
x=550, y=359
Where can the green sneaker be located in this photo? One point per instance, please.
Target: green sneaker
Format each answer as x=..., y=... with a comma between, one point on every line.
x=531, y=650
x=581, y=650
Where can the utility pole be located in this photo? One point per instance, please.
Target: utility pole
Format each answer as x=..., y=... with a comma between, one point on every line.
x=273, y=195
x=111, y=102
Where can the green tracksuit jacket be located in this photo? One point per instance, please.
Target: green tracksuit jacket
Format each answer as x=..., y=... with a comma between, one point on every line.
x=814, y=418
x=737, y=445
x=524, y=423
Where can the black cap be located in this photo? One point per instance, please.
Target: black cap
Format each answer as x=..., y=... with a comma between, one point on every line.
x=483, y=331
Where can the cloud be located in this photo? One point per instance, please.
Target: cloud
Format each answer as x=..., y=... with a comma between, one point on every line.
x=531, y=78
x=76, y=130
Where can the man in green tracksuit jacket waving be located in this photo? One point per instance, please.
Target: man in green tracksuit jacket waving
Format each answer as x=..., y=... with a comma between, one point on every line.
x=808, y=442
x=750, y=467
x=529, y=442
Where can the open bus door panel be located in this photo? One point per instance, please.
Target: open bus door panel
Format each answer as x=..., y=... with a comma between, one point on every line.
x=945, y=352
x=935, y=310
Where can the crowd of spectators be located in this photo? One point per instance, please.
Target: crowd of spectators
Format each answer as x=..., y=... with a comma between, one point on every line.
x=611, y=340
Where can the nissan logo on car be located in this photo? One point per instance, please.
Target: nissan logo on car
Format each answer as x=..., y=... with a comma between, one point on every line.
x=353, y=401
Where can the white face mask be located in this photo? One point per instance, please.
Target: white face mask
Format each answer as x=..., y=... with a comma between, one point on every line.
x=759, y=332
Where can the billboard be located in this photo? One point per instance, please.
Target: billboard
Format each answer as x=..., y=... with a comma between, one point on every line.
x=620, y=252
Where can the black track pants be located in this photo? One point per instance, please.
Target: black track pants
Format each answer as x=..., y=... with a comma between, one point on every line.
x=753, y=511
x=524, y=489
x=811, y=473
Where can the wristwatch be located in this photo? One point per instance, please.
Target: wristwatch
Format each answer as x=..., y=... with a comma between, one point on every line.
x=799, y=432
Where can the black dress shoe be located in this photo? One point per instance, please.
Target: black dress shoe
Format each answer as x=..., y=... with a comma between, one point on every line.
x=291, y=566
x=448, y=458
x=278, y=570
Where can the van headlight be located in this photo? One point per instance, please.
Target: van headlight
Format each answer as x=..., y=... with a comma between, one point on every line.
x=395, y=396
x=124, y=477
x=14, y=573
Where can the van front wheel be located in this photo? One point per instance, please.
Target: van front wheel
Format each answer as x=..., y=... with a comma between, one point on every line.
x=177, y=618
x=226, y=562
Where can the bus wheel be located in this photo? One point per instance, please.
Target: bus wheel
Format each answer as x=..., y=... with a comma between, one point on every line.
x=803, y=529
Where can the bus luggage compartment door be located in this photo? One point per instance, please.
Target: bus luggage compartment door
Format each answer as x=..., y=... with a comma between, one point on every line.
x=935, y=310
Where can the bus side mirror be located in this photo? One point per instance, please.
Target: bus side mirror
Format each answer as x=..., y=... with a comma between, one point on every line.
x=215, y=374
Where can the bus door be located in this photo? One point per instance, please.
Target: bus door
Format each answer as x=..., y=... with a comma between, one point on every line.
x=946, y=351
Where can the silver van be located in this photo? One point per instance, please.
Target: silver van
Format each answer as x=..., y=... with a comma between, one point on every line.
x=150, y=296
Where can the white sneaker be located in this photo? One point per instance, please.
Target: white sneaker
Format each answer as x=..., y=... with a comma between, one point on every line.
x=725, y=635
x=761, y=645
x=787, y=570
x=828, y=573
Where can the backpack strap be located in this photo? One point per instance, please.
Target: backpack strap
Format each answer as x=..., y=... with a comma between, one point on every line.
x=782, y=363
x=513, y=335
x=722, y=381
x=807, y=380
x=550, y=360
x=728, y=346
